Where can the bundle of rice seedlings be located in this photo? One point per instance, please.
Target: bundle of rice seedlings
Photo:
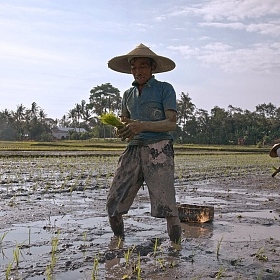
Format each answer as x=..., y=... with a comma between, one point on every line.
x=111, y=119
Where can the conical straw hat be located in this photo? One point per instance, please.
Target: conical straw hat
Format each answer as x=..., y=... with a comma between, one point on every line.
x=121, y=63
x=273, y=151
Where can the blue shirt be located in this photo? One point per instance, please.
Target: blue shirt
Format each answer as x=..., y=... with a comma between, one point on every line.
x=156, y=97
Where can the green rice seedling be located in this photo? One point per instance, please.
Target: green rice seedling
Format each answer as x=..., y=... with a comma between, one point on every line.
x=119, y=242
x=2, y=237
x=111, y=119
x=48, y=272
x=220, y=273
x=219, y=246
x=139, y=268
x=155, y=246
x=161, y=263
x=85, y=237
x=8, y=270
x=16, y=253
x=260, y=255
x=95, y=268
x=54, y=242
x=127, y=254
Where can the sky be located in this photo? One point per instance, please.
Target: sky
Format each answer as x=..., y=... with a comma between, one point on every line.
x=53, y=52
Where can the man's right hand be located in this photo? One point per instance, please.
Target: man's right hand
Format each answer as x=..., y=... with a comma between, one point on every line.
x=125, y=133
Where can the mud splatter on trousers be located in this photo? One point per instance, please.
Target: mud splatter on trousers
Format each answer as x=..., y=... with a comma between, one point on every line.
x=152, y=164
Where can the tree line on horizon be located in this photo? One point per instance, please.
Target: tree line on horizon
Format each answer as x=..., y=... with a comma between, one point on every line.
x=195, y=126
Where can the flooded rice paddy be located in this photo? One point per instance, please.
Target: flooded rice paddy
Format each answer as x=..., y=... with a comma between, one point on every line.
x=53, y=221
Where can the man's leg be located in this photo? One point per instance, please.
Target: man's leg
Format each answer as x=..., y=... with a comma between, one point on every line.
x=117, y=225
x=125, y=185
x=159, y=176
x=174, y=229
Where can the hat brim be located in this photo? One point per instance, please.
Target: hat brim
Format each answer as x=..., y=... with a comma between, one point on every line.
x=121, y=63
x=273, y=150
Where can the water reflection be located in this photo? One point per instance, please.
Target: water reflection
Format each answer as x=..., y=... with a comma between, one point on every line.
x=196, y=230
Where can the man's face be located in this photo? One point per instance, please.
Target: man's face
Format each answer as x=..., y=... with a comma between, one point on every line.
x=141, y=70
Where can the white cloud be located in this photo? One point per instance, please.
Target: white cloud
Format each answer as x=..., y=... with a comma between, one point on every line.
x=258, y=58
x=140, y=27
x=186, y=51
x=160, y=18
x=232, y=25
x=231, y=10
x=270, y=28
x=217, y=47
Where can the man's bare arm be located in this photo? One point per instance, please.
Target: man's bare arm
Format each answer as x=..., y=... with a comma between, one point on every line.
x=134, y=127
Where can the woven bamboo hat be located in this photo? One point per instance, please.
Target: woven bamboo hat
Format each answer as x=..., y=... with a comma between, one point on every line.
x=121, y=63
x=273, y=151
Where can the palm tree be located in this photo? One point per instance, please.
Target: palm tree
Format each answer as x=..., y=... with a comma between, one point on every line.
x=34, y=109
x=63, y=121
x=19, y=116
x=78, y=110
x=42, y=115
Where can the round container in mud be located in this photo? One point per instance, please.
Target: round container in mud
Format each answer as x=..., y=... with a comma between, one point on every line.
x=195, y=213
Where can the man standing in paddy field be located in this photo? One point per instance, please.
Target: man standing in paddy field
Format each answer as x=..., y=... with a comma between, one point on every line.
x=149, y=114
x=275, y=152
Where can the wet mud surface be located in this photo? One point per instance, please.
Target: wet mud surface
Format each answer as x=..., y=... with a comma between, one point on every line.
x=53, y=225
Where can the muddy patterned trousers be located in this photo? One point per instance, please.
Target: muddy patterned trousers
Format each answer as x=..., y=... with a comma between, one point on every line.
x=153, y=164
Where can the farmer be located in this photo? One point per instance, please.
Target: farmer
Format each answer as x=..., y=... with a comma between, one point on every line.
x=149, y=113
x=275, y=151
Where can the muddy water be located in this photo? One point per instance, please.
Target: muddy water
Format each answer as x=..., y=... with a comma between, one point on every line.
x=243, y=241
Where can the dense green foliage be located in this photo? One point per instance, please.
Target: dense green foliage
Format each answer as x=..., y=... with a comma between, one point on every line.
x=223, y=127
x=196, y=126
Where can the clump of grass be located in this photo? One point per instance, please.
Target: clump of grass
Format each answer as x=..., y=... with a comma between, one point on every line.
x=111, y=119
x=260, y=255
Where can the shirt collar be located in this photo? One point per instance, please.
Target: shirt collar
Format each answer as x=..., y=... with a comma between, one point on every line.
x=148, y=83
